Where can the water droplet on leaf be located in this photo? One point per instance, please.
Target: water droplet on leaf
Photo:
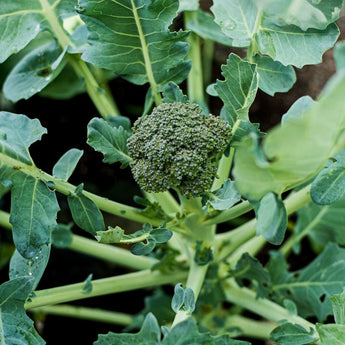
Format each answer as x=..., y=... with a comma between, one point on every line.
x=228, y=24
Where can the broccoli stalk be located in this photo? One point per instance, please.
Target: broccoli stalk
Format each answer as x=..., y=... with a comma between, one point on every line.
x=177, y=146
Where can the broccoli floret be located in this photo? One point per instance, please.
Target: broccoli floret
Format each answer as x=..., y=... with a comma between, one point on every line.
x=177, y=147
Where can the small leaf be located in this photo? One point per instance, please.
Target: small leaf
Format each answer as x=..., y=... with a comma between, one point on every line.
x=85, y=213
x=178, y=298
x=331, y=334
x=271, y=219
x=143, y=248
x=16, y=327
x=65, y=166
x=189, y=300
x=62, y=235
x=239, y=88
x=224, y=197
x=34, y=72
x=161, y=235
x=292, y=334
x=203, y=253
x=248, y=268
x=149, y=335
x=34, y=267
x=112, y=235
x=109, y=140
x=172, y=93
x=338, y=306
x=329, y=184
x=87, y=288
x=273, y=76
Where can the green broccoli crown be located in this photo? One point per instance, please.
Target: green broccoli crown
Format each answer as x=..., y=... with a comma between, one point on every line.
x=176, y=147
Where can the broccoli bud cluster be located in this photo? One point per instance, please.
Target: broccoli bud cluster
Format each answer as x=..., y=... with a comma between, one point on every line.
x=176, y=147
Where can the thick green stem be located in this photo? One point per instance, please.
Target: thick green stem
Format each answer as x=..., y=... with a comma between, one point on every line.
x=110, y=253
x=92, y=314
x=195, y=83
x=66, y=188
x=105, y=106
x=105, y=286
x=265, y=308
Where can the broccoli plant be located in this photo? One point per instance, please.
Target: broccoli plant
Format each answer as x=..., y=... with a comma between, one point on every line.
x=232, y=235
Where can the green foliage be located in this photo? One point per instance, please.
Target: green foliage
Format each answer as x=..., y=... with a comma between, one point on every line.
x=173, y=146
x=15, y=324
x=217, y=192
x=138, y=45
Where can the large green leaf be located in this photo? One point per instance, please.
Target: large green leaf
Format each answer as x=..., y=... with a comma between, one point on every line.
x=302, y=13
x=33, y=214
x=134, y=40
x=331, y=334
x=239, y=88
x=291, y=45
x=21, y=21
x=15, y=325
x=295, y=151
x=311, y=287
x=338, y=306
x=34, y=72
x=237, y=19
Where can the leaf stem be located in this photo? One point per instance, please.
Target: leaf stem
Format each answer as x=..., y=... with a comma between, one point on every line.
x=96, y=93
x=195, y=83
x=265, y=308
x=146, y=55
x=67, y=188
x=92, y=314
x=120, y=283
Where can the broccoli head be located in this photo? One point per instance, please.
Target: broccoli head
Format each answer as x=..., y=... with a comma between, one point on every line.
x=177, y=147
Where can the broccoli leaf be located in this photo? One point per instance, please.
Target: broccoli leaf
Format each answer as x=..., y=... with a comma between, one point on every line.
x=323, y=224
x=17, y=133
x=237, y=20
x=339, y=55
x=188, y=5
x=172, y=93
x=292, y=334
x=301, y=105
x=16, y=327
x=34, y=267
x=273, y=76
x=109, y=140
x=20, y=22
x=292, y=46
x=203, y=24
x=185, y=332
x=302, y=13
x=62, y=235
x=331, y=334
x=329, y=184
x=137, y=45
x=34, y=72
x=271, y=219
x=65, y=166
x=287, y=157
x=338, y=306
x=85, y=212
x=250, y=269
x=239, y=88
x=311, y=287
